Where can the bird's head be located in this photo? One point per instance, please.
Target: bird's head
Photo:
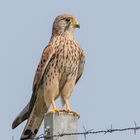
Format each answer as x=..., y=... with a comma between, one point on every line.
x=64, y=23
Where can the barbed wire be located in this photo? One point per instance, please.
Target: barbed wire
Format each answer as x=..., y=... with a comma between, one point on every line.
x=88, y=132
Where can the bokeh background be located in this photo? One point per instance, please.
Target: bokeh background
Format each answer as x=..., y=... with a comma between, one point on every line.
x=109, y=90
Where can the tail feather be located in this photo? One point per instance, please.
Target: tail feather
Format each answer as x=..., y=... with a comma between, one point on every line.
x=23, y=115
x=31, y=127
x=33, y=124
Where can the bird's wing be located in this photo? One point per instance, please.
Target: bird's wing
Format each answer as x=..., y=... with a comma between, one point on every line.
x=45, y=59
x=37, y=106
x=24, y=114
x=80, y=67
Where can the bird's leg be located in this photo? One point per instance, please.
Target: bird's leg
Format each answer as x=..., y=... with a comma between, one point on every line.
x=67, y=105
x=54, y=109
x=68, y=110
x=66, y=93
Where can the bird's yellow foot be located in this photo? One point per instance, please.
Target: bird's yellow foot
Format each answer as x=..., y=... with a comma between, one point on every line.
x=73, y=112
x=54, y=110
x=62, y=110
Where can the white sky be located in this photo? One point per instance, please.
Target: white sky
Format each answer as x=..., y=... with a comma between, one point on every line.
x=109, y=91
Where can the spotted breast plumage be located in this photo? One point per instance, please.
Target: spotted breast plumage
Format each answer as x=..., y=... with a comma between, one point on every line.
x=59, y=69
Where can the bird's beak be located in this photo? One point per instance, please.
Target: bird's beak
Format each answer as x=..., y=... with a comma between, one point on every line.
x=75, y=23
x=77, y=26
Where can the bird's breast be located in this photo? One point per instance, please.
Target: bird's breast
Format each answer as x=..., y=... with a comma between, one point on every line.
x=63, y=64
x=67, y=58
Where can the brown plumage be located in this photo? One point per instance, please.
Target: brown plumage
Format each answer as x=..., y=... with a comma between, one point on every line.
x=59, y=69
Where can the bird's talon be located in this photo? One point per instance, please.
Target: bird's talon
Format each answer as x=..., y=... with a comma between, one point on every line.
x=62, y=110
x=73, y=112
x=55, y=110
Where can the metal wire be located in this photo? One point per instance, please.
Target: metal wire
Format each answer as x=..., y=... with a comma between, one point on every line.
x=91, y=132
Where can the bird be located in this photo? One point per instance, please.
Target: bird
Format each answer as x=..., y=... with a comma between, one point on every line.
x=60, y=67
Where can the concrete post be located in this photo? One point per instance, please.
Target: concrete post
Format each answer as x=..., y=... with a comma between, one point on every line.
x=58, y=123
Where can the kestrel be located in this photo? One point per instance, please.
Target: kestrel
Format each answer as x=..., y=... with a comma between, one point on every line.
x=60, y=67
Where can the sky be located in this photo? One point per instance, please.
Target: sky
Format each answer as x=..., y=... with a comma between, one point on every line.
x=109, y=90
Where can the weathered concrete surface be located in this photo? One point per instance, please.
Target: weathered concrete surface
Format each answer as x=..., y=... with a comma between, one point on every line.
x=58, y=123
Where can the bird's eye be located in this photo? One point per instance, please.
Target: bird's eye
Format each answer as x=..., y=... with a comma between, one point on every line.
x=68, y=19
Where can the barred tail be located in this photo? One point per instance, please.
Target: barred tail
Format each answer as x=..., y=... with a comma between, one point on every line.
x=31, y=127
x=33, y=124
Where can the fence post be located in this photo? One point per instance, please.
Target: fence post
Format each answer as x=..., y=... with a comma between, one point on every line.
x=58, y=123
